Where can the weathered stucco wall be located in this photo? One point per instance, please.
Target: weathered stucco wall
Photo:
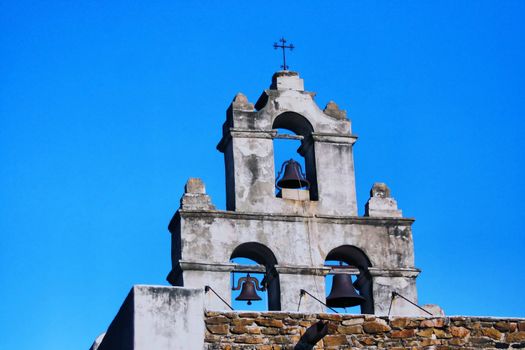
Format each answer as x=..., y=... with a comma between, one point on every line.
x=296, y=239
x=300, y=244
x=281, y=331
x=157, y=317
x=327, y=145
x=299, y=231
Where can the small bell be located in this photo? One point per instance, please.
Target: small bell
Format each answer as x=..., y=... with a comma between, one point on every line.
x=249, y=288
x=293, y=176
x=343, y=293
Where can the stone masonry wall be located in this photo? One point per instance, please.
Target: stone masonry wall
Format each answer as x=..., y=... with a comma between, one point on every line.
x=282, y=330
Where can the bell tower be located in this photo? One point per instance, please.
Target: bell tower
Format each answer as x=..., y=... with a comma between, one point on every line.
x=296, y=226
x=326, y=145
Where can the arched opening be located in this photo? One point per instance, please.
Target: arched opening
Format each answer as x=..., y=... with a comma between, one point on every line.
x=294, y=122
x=293, y=141
x=248, y=269
x=259, y=261
x=351, y=260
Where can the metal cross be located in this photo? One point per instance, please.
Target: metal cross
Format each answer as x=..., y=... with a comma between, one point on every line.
x=283, y=46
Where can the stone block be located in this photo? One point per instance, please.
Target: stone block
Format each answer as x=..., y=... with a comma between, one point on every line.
x=502, y=326
x=367, y=341
x=432, y=323
x=245, y=330
x=217, y=320
x=296, y=195
x=380, y=204
x=283, y=339
x=195, y=196
x=330, y=317
x=481, y=341
x=475, y=325
x=287, y=80
x=240, y=102
x=404, y=333
x=356, y=329
x=288, y=330
x=376, y=326
x=264, y=347
x=249, y=339
x=242, y=321
x=335, y=340
x=277, y=315
x=195, y=185
x=269, y=322
x=439, y=333
x=426, y=333
x=400, y=322
x=459, y=332
x=333, y=110
x=429, y=342
x=270, y=331
x=457, y=341
x=353, y=322
x=212, y=338
x=218, y=328
x=290, y=322
x=515, y=337
x=491, y=333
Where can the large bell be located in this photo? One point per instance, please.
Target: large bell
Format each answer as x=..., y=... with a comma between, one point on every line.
x=343, y=293
x=248, y=289
x=293, y=176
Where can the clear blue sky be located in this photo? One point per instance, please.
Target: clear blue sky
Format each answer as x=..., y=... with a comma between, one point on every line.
x=107, y=107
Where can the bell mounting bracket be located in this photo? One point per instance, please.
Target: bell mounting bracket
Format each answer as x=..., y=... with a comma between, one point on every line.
x=249, y=278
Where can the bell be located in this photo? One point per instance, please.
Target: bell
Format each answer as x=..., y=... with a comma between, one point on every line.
x=248, y=289
x=343, y=293
x=293, y=176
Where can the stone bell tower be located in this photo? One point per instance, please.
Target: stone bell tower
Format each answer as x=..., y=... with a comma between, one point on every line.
x=326, y=145
x=292, y=235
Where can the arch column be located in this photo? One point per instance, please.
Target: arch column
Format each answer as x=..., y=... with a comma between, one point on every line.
x=334, y=162
x=295, y=278
x=400, y=280
x=217, y=276
x=250, y=172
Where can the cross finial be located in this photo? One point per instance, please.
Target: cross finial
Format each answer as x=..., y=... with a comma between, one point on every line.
x=283, y=46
